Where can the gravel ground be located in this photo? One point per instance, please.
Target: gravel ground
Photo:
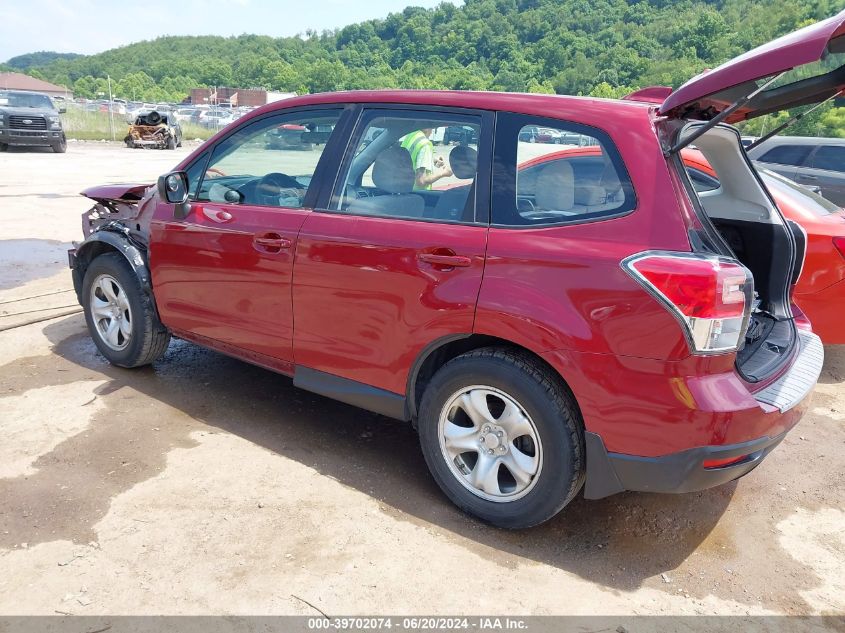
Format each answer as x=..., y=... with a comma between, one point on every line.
x=206, y=485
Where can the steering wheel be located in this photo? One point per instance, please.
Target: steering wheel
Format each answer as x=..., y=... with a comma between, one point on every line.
x=273, y=187
x=214, y=172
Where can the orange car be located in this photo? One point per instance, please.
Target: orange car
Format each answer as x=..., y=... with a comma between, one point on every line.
x=820, y=291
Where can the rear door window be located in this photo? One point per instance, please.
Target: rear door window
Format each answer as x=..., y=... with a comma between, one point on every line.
x=829, y=157
x=787, y=155
x=552, y=177
x=398, y=168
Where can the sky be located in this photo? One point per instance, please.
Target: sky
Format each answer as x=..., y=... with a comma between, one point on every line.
x=92, y=26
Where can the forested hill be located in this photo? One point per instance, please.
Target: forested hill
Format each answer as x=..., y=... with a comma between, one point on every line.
x=600, y=47
x=41, y=58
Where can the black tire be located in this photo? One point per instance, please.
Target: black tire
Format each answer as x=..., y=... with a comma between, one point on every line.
x=61, y=146
x=148, y=339
x=4, y=147
x=171, y=142
x=130, y=142
x=543, y=397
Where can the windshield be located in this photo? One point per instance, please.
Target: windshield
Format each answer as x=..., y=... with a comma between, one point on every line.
x=24, y=100
x=809, y=199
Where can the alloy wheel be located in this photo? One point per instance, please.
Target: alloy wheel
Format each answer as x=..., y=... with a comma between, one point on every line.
x=110, y=312
x=490, y=443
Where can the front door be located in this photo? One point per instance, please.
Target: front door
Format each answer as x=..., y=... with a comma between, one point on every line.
x=395, y=258
x=223, y=273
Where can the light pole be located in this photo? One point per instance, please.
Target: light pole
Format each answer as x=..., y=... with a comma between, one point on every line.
x=111, y=108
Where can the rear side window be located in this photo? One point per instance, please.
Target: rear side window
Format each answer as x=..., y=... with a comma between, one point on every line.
x=787, y=155
x=829, y=157
x=553, y=172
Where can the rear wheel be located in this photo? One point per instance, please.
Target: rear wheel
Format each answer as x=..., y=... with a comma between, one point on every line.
x=171, y=143
x=120, y=315
x=4, y=147
x=502, y=437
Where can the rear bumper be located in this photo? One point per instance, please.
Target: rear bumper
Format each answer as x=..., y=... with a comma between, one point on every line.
x=30, y=138
x=610, y=473
x=653, y=429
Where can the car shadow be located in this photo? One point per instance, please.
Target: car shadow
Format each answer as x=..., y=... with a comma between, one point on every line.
x=618, y=541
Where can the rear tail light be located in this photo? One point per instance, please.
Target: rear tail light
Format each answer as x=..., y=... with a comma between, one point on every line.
x=710, y=296
x=839, y=243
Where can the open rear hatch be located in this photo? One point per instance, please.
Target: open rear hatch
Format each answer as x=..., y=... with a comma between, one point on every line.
x=739, y=218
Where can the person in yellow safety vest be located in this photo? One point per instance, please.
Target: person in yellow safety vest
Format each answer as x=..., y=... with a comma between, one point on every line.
x=427, y=169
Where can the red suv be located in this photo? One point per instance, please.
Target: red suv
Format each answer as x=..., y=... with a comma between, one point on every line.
x=544, y=325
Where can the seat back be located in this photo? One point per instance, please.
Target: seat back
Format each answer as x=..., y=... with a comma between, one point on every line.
x=393, y=172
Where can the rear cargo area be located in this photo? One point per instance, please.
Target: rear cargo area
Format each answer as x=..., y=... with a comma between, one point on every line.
x=742, y=221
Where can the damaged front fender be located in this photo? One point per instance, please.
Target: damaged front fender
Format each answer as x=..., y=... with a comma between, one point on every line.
x=110, y=238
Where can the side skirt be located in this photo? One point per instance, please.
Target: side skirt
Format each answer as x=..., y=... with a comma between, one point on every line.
x=351, y=392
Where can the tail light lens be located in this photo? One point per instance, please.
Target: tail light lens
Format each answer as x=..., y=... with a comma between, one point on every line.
x=839, y=243
x=710, y=296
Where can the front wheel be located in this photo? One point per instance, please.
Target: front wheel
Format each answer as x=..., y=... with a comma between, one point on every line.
x=120, y=315
x=61, y=146
x=502, y=437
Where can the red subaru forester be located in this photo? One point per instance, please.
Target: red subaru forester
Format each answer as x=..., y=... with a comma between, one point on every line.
x=593, y=323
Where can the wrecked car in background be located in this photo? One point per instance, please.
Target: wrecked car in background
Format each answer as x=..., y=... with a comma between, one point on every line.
x=154, y=130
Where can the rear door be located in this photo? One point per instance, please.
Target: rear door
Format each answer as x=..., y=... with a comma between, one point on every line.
x=388, y=263
x=826, y=169
x=223, y=273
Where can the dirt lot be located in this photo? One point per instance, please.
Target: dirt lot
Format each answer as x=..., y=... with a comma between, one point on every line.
x=205, y=485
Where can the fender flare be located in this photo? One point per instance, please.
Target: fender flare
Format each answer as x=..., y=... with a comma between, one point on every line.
x=121, y=243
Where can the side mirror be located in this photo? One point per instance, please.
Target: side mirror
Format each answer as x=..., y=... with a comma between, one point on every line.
x=62, y=110
x=173, y=187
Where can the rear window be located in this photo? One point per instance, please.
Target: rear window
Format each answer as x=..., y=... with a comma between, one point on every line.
x=787, y=155
x=546, y=173
x=829, y=157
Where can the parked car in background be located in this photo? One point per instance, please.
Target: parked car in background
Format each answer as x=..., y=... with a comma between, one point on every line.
x=214, y=119
x=535, y=134
x=807, y=160
x=287, y=136
x=543, y=331
x=460, y=135
x=29, y=119
x=820, y=291
x=184, y=115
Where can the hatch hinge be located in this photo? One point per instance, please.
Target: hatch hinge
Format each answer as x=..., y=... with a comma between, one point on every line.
x=709, y=125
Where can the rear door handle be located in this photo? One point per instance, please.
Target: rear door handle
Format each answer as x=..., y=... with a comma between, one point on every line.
x=270, y=242
x=445, y=260
x=808, y=177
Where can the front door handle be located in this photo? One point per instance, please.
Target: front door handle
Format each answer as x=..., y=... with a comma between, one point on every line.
x=444, y=259
x=270, y=242
x=808, y=177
